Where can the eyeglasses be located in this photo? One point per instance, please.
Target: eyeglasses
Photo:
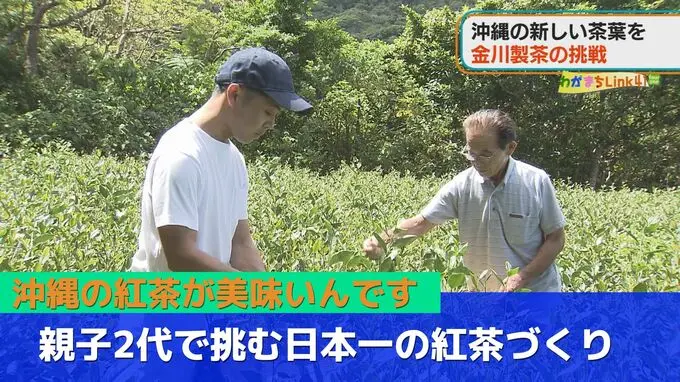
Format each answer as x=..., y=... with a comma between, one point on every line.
x=472, y=157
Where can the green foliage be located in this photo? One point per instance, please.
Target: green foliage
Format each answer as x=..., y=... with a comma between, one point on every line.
x=120, y=111
x=630, y=238
x=116, y=78
x=64, y=212
x=376, y=19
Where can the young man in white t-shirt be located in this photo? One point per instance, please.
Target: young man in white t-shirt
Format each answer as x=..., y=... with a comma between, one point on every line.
x=195, y=193
x=507, y=210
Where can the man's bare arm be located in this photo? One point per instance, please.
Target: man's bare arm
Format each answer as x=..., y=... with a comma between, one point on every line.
x=183, y=255
x=244, y=253
x=547, y=253
x=416, y=225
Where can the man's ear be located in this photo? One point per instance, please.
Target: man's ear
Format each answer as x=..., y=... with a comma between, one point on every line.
x=232, y=92
x=511, y=147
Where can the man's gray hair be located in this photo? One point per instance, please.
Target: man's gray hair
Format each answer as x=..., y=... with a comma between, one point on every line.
x=494, y=119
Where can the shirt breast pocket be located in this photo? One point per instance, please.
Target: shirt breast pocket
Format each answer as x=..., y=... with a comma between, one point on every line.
x=521, y=227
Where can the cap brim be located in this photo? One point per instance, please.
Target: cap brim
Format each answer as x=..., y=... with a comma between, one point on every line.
x=289, y=101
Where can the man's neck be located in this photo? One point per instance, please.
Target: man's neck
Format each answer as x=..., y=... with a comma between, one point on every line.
x=208, y=119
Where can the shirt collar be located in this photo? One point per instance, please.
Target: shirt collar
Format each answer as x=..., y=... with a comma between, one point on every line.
x=511, y=170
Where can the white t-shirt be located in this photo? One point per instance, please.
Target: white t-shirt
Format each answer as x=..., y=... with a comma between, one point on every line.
x=196, y=181
x=502, y=223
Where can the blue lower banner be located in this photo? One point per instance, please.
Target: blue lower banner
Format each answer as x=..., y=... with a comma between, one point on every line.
x=489, y=336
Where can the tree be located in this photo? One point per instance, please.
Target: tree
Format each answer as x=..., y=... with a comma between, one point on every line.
x=66, y=13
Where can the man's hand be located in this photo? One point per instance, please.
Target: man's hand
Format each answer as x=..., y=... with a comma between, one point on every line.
x=372, y=248
x=244, y=253
x=416, y=226
x=514, y=283
x=547, y=253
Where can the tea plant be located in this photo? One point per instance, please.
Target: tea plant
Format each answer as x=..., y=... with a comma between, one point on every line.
x=64, y=212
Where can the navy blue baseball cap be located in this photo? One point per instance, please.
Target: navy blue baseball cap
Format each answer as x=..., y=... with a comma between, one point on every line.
x=263, y=70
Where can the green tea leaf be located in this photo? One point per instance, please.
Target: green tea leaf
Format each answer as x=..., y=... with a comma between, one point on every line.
x=404, y=241
x=340, y=257
x=456, y=280
x=381, y=242
x=43, y=238
x=641, y=287
x=387, y=265
x=358, y=260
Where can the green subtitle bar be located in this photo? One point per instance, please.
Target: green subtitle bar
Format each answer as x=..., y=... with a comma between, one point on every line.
x=178, y=292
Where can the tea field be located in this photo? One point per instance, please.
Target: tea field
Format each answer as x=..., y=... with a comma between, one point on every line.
x=64, y=212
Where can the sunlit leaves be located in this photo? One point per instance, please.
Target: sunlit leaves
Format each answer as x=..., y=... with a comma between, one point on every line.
x=59, y=211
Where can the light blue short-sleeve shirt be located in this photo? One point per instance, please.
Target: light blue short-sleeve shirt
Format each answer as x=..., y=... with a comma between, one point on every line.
x=502, y=223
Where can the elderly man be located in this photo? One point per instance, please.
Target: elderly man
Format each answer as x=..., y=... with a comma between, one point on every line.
x=507, y=210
